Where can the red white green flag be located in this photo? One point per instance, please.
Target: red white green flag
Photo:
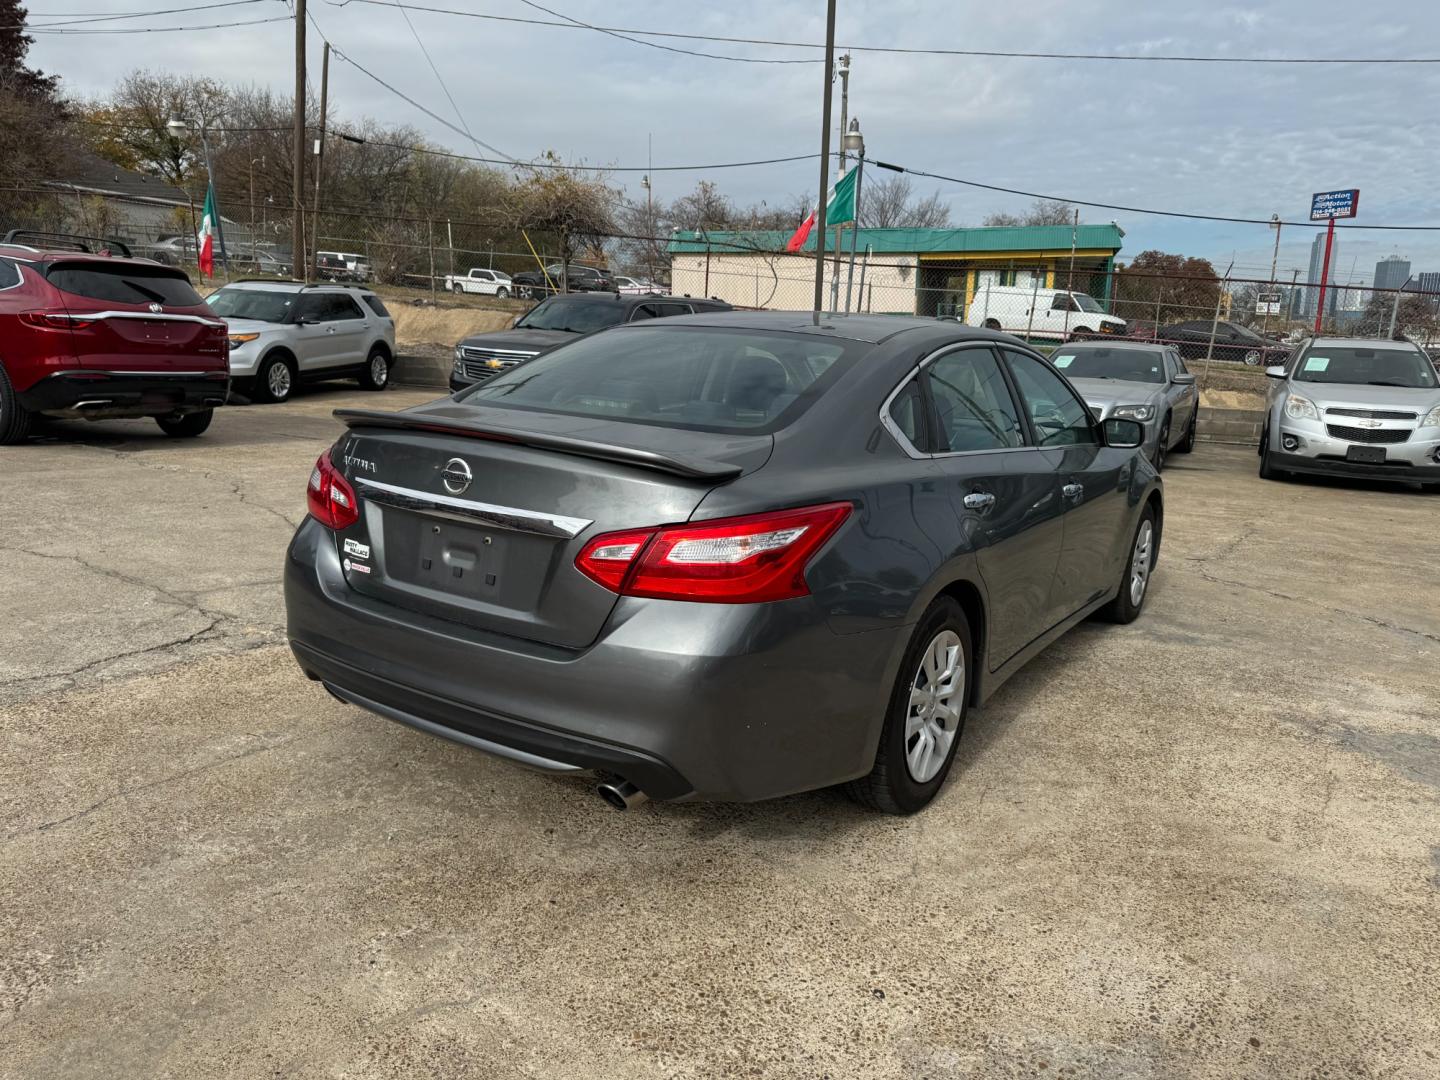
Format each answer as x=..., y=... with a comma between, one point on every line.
x=839, y=208
x=205, y=241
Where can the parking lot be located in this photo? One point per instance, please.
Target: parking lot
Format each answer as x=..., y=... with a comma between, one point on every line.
x=1203, y=845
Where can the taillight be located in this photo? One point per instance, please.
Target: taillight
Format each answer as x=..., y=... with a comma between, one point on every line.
x=330, y=498
x=742, y=560
x=54, y=320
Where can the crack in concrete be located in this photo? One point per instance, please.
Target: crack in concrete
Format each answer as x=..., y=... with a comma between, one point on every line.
x=124, y=793
x=1229, y=547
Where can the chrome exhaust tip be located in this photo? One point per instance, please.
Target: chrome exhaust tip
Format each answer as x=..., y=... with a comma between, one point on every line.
x=621, y=794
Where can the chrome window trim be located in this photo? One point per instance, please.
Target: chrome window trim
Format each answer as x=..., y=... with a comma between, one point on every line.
x=888, y=422
x=500, y=517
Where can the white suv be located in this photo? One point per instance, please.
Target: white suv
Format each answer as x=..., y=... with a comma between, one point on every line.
x=282, y=332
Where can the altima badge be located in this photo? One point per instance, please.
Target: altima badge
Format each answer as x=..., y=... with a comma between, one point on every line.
x=455, y=476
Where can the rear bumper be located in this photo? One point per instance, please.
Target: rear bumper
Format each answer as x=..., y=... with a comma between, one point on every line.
x=80, y=392
x=711, y=701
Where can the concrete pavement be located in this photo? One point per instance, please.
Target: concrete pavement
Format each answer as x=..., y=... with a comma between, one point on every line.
x=1204, y=845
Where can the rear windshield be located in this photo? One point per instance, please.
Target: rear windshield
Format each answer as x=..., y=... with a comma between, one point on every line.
x=572, y=316
x=1367, y=367
x=373, y=303
x=124, y=283
x=1126, y=365
x=698, y=377
x=262, y=305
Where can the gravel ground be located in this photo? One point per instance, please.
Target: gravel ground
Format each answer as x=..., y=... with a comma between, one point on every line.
x=1204, y=845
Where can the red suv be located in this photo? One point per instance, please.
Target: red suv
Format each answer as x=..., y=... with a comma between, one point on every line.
x=87, y=333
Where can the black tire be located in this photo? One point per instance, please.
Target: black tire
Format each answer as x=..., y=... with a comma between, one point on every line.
x=501, y=293
x=269, y=384
x=1162, y=446
x=1125, y=608
x=1082, y=331
x=992, y=324
x=457, y=288
x=376, y=375
x=14, y=417
x=187, y=426
x=1267, y=470
x=889, y=786
x=1187, y=444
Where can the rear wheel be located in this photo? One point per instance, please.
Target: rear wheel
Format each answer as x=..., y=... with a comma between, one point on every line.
x=1253, y=358
x=925, y=718
x=14, y=417
x=376, y=375
x=187, y=426
x=275, y=379
x=1135, y=578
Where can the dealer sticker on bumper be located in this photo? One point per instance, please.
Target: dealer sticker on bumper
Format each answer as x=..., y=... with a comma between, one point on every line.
x=359, y=550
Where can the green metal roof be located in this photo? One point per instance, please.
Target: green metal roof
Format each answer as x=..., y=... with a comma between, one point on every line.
x=914, y=241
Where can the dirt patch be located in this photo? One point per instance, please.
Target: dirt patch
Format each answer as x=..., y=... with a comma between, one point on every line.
x=1233, y=399
x=444, y=325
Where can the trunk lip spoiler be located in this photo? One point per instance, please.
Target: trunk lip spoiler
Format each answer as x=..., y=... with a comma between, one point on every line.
x=692, y=468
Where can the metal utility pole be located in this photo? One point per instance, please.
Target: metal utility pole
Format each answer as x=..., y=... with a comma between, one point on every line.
x=297, y=192
x=1324, y=273
x=1395, y=308
x=824, y=159
x=320, y=142
x=844, y=73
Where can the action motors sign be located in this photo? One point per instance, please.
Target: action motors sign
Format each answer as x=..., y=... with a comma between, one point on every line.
x=1328, y=205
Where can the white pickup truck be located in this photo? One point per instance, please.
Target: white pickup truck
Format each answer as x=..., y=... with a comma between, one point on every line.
x=481, y=281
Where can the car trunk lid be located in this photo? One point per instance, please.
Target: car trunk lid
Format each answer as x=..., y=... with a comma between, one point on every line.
x=476, y=515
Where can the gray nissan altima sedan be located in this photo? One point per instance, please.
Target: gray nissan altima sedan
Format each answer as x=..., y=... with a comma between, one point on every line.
x=722, y=557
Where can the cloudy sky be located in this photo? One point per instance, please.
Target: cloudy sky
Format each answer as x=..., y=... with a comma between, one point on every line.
x=1236, y=140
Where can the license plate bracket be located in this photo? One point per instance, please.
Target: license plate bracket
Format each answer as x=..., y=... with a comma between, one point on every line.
x=1366, y=455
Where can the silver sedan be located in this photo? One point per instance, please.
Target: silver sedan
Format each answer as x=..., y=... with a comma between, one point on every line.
x=1136, y=381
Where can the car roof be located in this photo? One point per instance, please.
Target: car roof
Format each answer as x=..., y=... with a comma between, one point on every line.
x=1363, y=343
x=25, y=253
x=1134, y=346
x=267, y=285
x=871, y=329
x=632, y=299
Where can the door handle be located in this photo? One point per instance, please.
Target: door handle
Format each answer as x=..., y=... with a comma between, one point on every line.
x=979, y=500
x=1073, y=491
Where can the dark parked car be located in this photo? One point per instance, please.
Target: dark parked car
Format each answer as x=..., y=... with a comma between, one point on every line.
x=722, y=556
x=87, y=334
x=557, y=320
x=1233, y=342
x=556, y=278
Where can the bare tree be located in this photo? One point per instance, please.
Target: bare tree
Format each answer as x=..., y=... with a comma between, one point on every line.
x=1041, y=212
x=889, y=203
x=575, y=208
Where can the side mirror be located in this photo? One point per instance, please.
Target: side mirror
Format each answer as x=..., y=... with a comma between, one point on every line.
x=1276, y=372
x=1124, y=434
x=1183, y=378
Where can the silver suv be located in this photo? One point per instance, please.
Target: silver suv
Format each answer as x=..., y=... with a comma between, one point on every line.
x=1353, y=407
x=283, y=331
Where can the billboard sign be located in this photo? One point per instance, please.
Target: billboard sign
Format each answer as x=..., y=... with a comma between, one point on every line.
x=1328, y=205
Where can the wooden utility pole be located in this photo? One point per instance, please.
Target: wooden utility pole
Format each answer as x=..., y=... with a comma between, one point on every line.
x=297, y=188
x=824, y=159
x=320, y=145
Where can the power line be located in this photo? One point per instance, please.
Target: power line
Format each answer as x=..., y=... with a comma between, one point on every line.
x=76, y=18
x=156, y=29
x=993, y=53
x=1139, y=209
x=625, y=36
x=448, y=96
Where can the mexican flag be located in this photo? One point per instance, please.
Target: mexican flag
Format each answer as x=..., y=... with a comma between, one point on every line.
x=205, y=241
x=839, y=208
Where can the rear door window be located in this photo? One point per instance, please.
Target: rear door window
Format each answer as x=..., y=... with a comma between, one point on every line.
x=121, y=283
x=342, y=306
x=973, y=406
x=375, y=304
x=700, y=378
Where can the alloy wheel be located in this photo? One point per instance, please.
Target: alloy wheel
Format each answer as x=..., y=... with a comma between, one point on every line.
x=932, y=718
x=1140, y=562
x=278, y=381
x=379, y=370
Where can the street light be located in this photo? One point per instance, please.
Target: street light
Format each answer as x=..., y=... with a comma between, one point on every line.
x=178, y=128
x=854, y=143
